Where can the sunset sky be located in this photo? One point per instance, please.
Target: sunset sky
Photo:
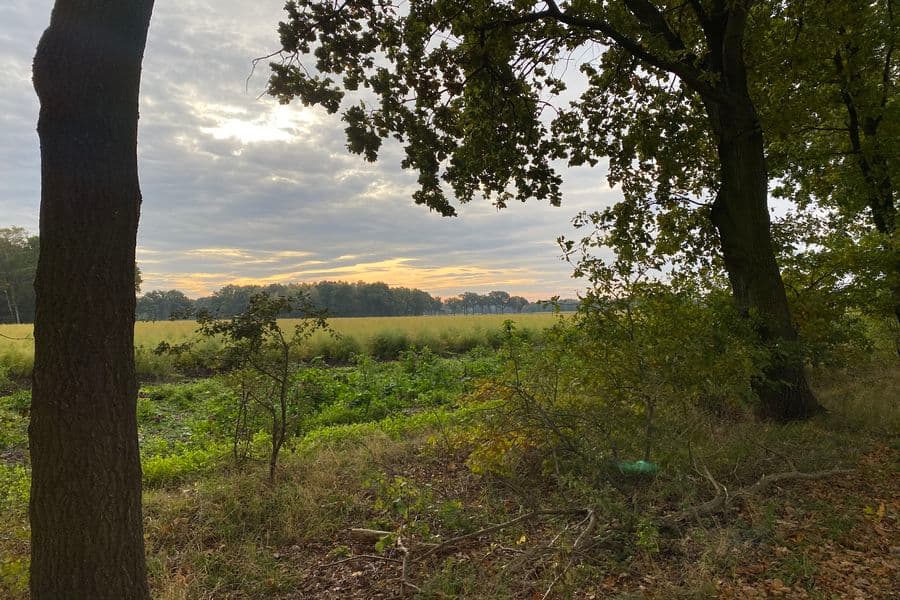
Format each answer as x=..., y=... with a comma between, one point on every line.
x=238, y=189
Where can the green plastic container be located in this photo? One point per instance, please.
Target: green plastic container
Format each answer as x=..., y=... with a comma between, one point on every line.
x=637, y=467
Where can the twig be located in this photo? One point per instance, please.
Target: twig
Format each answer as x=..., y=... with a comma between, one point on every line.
x=720, y=488
x=579, y=543
x=527, y=516
x=587, y=532
x=404, y=580
x=558, y=535
x=255, y=62
x=361, y=556
x=555, y=579
x=786, y=458
x=513, y=550
x=767, y=480
x=408, y=553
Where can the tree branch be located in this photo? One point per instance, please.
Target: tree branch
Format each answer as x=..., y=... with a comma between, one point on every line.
x=724, y=499
x=527, y=516
x=362, y=556
x=701, y=15
x=886, y=79
x=649, y=15
x=686, y=71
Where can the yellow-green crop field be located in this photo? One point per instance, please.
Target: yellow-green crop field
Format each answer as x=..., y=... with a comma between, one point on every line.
x=382, y=337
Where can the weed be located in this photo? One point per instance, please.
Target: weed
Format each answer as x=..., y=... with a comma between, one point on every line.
x=797, y=568
x=181, y=465
x=646, y=536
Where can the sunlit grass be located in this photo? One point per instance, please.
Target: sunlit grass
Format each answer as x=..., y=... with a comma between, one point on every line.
x=362, y=328
x=445, y=333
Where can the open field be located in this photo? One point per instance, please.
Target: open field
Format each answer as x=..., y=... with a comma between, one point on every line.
x=381, y=337
x=365, y=328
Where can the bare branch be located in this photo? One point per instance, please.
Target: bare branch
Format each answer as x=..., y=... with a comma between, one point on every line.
x=701, y=15
x=360, y=557
x=649, y=15
x=491, y=529
x=723, y=499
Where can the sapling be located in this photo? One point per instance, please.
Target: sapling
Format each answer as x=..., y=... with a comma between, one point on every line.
x=265, y=360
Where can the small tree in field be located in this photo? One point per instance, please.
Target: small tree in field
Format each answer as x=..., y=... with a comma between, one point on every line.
x=265, y=359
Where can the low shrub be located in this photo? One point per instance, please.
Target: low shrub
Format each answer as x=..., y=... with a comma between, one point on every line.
x=15, y=363
x=181, y=465
x=621, y=382
x=387, y=345
x=334, y=350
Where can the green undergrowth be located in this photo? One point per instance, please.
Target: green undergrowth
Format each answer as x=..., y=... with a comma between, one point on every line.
x=184, y=431
x=392, y=446
x=231, y=535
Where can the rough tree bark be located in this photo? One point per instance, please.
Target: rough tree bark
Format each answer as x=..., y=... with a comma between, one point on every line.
x=740, y=214
x=87, y=539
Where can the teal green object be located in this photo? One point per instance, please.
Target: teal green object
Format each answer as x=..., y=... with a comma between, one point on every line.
x=638, y=467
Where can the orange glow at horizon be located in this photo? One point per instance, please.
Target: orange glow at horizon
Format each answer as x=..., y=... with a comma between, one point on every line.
x=396, y=272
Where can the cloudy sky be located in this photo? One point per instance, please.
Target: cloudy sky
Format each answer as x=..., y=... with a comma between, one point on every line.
x=238, y=189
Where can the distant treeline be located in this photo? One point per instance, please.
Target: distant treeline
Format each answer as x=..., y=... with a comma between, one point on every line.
x=340, y=299
x=18, y=263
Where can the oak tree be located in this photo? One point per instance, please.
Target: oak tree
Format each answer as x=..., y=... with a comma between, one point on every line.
x=466, y=88
x=86, y=525
x=833, y=123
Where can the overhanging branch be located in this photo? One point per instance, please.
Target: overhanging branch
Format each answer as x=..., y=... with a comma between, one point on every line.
x=685, y=69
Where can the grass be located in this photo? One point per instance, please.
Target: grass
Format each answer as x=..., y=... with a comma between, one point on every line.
x=387, y=448
x=381, y=337
x=190, y=479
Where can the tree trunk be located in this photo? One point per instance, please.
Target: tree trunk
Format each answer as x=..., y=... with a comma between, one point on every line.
x=879, y=187
x=741, y=216
x=14, y=305
x=872, y=163
x=86, y=524
x=16, y=309
x=12, y=313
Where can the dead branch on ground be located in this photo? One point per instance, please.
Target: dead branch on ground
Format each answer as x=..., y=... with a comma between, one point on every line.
x=724, y=499
x=410, y=556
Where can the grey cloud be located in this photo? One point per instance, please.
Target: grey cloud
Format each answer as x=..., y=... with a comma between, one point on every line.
x=306, y=194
